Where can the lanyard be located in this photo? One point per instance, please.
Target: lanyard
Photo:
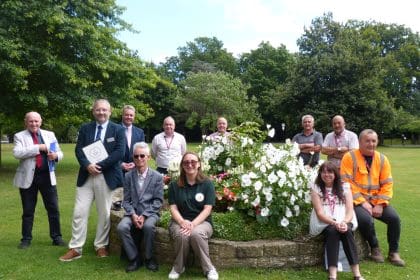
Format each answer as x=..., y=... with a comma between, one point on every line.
x=331, y=199
x=166, y=142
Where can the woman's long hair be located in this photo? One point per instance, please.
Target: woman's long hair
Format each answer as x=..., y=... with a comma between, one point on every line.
x=337, y=188
x=182, y=180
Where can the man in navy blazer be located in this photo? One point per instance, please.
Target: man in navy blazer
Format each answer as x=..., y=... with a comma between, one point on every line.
x=133, y=135
x=143, y=198
x=96, y=181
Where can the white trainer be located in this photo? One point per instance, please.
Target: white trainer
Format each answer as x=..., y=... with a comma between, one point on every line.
x=212, y=274
x=175, y=275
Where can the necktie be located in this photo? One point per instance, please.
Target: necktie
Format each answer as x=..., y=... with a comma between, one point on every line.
x=98, y=133
x=38, y=156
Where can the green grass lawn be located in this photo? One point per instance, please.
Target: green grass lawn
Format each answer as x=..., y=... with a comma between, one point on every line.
x=40, y=261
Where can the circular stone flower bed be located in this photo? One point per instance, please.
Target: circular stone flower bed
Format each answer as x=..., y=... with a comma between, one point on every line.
x=257, y=253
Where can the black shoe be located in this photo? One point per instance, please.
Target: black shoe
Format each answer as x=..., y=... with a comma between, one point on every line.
x=58, y=242
x=152, y=265
x=132, y=266
x=116, y=206
x=24, y=244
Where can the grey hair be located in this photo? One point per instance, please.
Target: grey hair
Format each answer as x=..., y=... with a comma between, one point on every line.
x=142, y=145
x=307, y=116
x=366, y=132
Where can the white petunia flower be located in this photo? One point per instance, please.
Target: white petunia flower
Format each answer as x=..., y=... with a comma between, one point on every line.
x=297, y=210
x=228, y=161
x=256, y=201
x=269, y=197
x=246, y=180
x=292, y=199
x=257, y=186
x=284, y=222
x=267, y=190
x=265, y=211
x=252, y=175
x=288, y=212
x=271, y=132
x=272, y=178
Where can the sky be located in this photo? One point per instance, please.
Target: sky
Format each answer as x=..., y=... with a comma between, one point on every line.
x=165, y=25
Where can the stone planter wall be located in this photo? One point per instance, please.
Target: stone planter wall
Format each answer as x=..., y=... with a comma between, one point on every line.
x=257, y=253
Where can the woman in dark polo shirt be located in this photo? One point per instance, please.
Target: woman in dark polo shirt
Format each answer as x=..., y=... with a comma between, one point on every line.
x=191, y=200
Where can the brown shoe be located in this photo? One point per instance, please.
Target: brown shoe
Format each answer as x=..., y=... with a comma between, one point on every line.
x=102, y=252
x=395, y=259
x=376, y=255
x=71, y=255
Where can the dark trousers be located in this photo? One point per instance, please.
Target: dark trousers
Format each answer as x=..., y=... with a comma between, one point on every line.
x=29, y=197
x=367, y=226
x=131, y=237
x=332, y=244
x=162, y=170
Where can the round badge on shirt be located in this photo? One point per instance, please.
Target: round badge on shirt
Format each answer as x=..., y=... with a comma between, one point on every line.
x=199, y=197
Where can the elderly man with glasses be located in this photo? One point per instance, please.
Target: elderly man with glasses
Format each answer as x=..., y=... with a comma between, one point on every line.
x=143, y=198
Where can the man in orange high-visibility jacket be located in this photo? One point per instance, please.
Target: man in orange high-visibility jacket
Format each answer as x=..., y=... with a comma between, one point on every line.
x=369, y=174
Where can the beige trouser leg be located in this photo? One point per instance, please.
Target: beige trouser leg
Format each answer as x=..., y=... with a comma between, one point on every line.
x=199, y=243
x=95, y=188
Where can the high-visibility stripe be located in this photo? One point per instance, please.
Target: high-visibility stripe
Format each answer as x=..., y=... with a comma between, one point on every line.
x=388, y=180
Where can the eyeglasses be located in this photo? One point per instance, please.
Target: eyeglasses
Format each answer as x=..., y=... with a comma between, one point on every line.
x=189, y=162
x=139, y=156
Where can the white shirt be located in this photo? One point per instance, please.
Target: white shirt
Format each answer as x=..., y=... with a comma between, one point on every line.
x=165, y=148
x=104, y=126
x=346, y=139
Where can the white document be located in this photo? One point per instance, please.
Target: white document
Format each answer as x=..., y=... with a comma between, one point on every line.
x=53, y=179
x=95, y=152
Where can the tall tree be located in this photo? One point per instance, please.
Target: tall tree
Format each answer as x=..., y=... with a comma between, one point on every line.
x=338, y=72
x=57, y=56
x=400, y=48
x=266, y=69
x=204, y=54
x=205, y=96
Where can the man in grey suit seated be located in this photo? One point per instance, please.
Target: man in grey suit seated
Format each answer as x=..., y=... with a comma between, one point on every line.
x=143, y=197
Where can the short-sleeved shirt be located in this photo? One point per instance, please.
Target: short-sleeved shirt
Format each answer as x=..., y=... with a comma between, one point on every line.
x=316, y=138
x=166, y=149
x=190, y=200
x=346, y=139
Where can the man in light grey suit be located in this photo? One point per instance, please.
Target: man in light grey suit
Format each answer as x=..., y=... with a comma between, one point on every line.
x=143, y=197
x=37, y=151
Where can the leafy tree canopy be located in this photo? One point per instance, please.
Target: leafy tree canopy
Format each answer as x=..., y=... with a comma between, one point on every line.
x=56, y=57
x=204, y=96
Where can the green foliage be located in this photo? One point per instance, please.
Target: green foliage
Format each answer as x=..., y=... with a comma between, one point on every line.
x=205, y=96
x=266, y=69
x=338, y=71
x=58, y=56
x=204, y=54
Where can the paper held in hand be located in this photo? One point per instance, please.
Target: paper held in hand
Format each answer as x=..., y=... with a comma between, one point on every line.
x=95, y=152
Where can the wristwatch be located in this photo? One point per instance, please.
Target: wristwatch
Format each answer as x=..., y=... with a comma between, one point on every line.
x=339, y=149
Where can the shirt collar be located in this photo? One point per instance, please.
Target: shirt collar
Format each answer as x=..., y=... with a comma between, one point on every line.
x=143, y=175
x=104, y=125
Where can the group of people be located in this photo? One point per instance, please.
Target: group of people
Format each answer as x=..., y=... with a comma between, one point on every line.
x=357, y=178
x=121, y=173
